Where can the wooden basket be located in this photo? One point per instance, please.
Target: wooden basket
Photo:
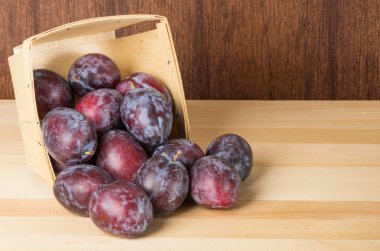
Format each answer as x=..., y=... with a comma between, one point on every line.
x=56, y=49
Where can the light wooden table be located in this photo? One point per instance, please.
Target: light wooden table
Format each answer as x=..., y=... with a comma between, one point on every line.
x=315, y=185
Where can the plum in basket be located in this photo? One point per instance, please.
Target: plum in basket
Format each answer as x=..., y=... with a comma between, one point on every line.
x=143, y=80
x=120, y=154
x=93, y=71
x=69, y=137
x=51, y=91
x=102, y=109
x=147, y=115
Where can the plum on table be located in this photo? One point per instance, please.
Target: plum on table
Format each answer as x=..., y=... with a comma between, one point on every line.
x=214, y=183
x=74, y=186
x=234, y=149
x=121, y=208
x=186, y=151
x=166, y=181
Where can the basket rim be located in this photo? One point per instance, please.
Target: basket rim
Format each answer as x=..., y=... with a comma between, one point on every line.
x=91, y=21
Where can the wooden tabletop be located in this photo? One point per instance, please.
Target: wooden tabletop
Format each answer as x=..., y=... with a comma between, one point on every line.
x=315, y=185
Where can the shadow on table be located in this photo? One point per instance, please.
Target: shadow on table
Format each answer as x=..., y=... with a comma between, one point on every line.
x=248, y=190
x=158, y=224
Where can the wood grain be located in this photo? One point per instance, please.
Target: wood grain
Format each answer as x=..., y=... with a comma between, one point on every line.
x=315, y=189
x=296, y=49
x=259, y=209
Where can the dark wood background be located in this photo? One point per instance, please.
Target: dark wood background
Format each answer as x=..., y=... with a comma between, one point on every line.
x=231, y=49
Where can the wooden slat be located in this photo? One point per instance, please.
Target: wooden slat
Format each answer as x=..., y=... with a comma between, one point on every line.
x=8, y=113
x=313, y=183
x=310, y=154
x=292, y=135
x=198, y=228
x=258, y=209
x=284, y=114
x=72, y=242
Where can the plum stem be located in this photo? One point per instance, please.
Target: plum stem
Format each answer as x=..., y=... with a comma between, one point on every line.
x=177, y=155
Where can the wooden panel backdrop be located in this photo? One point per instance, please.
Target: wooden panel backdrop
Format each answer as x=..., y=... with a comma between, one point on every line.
x=237, y=49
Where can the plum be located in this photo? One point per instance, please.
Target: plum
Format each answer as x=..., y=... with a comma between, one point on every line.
x=74, y=186
x=214, y=183
x=166, y=181
x=189, y=152
x=143, y=80
x=126, y=86
x=102, y=109
x=51, y=91
x=93, y=71
x=120, y=154
x=234, y=149
x=121, y=208
x=69, y=137
x=147, y=115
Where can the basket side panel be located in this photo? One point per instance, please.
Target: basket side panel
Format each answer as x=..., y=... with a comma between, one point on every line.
x=34, y=150
x=181, y=118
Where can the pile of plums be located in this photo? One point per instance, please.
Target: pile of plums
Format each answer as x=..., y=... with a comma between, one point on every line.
x=111, y=152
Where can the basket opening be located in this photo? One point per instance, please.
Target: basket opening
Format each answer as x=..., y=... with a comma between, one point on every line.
x=136, y=28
